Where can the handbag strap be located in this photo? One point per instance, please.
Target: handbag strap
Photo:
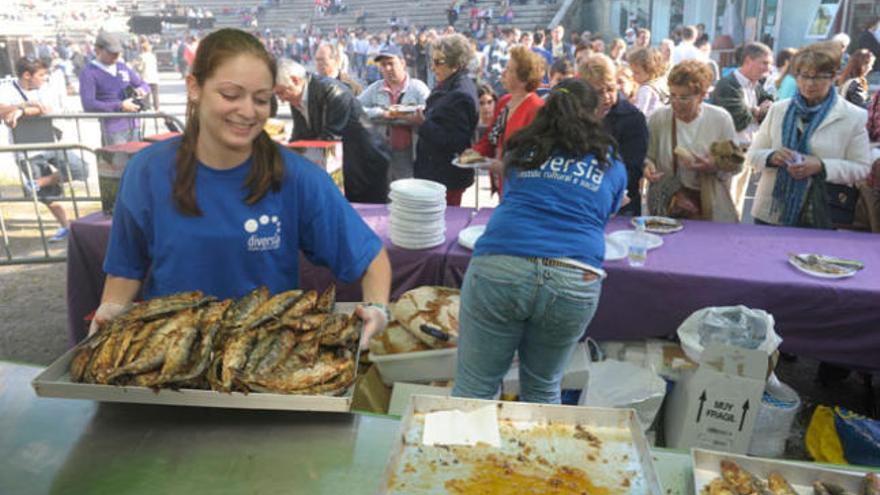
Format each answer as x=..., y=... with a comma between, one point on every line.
x=674, y=145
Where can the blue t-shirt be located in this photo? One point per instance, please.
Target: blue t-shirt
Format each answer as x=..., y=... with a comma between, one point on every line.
x=233, y=247
x=558, y=210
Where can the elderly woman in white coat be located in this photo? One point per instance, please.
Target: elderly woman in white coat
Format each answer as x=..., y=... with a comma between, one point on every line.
x=811, y=149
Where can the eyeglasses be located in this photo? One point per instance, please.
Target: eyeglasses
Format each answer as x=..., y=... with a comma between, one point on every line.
x=815, y=79
x=683, y=98
x=438, y=61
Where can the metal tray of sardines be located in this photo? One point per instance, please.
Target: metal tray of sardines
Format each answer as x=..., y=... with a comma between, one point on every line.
x=543, y=449
x=722, y=473
x=293, y=351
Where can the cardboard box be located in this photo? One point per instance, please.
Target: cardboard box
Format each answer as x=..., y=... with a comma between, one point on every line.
x=715, y=406
x=325, y=154
x=574, y=378
x=370, y=394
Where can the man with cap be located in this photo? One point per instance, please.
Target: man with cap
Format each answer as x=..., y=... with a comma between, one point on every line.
x=395, y=88
x=107, y=84
x=323, y=108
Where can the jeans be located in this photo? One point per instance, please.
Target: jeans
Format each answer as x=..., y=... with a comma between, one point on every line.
x=512, y=304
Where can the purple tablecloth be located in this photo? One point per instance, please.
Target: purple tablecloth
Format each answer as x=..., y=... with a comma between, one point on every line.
x=714, y=264
x=410, y=268
x=86, y=247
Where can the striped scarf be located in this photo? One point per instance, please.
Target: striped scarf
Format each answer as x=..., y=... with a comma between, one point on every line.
x=790, y=194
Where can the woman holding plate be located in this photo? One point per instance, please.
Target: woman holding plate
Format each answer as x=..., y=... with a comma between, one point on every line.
x=689, y=181
x=515, y=110
x=223, y=209
x=448, y=123
x=534, y=281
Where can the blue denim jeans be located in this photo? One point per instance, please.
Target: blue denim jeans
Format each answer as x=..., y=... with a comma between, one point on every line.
x=512, y=304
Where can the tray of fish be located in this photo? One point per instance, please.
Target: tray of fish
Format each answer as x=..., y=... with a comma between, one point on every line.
x=720, y=473
x=543, y=448
x=296, y=350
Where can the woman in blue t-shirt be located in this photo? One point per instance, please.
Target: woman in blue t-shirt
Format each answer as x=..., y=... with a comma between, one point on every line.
x=534, y=281
x=224, y=209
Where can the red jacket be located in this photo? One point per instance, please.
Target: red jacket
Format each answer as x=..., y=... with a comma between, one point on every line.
x=521, y=117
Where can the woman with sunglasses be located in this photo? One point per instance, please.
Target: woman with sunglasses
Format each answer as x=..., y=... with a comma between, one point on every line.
x=693, y=178
x=810, y=149
x=450, y=118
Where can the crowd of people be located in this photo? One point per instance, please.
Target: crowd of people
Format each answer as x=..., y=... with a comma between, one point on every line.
x=573, y=130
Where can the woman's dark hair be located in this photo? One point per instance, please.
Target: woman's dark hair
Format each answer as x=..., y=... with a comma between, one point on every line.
x=267, y=169
x=566, y=124
x=29, y=65
x=783, y=59
x=485, y=89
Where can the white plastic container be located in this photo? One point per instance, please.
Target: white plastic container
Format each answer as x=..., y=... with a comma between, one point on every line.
x=422, y=366
x=775, y=417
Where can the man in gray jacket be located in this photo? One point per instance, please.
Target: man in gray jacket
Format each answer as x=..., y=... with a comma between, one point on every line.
x=395, y=88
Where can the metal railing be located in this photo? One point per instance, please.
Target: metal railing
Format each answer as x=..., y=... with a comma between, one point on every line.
x=77, y=144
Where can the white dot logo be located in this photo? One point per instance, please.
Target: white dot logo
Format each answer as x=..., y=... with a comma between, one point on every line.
x=264, y=220
x=274, y=219
x=251, y=226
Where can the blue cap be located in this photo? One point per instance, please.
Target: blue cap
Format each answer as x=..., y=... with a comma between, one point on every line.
x=389, y=51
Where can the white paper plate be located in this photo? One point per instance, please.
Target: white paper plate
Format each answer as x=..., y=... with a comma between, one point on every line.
x=476, y=165
x=624, y=236
x=399, y=108
x=793, y=262
x=437, y=211
x=418, y=189
x=615, y=249
x=410, y=244
x=418, y=236
x=418, y=225
x=467, y=238
x=660, y=230
x=408, y=206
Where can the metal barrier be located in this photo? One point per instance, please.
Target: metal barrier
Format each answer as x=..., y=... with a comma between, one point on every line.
x=26, y=173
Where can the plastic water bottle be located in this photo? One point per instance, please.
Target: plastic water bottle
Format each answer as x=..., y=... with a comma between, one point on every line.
x=638, y=244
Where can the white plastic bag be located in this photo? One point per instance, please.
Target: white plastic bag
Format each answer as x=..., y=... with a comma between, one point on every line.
x=613, y=383
x=734, y=325
x=779, y=407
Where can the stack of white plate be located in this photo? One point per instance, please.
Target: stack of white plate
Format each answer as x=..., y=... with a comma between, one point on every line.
x=418, y=213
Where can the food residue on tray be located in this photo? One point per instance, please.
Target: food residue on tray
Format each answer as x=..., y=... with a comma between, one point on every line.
x=495, y=475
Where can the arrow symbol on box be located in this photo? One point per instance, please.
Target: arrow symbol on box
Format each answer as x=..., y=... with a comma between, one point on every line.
x=745, y=410
x=702, y=401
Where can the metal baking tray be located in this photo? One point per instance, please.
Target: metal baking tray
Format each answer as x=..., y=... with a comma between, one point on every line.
x=55, y=382
x=707, y=467
x=548, y=448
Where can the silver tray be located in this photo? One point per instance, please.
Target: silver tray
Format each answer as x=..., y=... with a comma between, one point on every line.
x=55, y=381
x=707, y=466
x=417, y=469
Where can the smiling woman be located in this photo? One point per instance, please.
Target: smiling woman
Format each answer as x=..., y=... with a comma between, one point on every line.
x=224, y=209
